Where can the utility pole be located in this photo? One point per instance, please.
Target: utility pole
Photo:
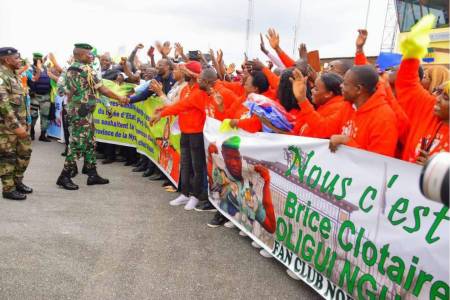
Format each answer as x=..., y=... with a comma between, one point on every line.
x=297, y=27
x=249, y=26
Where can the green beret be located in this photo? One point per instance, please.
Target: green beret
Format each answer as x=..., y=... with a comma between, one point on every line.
x=83, y=46
x=37, y=55
x=232, y=143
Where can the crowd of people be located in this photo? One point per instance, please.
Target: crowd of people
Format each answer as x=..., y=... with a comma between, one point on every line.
x=401, y=111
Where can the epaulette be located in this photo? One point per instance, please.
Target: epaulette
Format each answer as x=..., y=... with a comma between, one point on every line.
x=76, y=69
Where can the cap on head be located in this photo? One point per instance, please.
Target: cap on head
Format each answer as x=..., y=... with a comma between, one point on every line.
x=194, y=66
x=7, y=51
x=232, y=143
x=37, y=55
x=83, y=46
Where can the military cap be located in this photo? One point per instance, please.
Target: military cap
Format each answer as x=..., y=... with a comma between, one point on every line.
x=37, y=55
x=83, y=46
x=232, y=143
x=6, y=51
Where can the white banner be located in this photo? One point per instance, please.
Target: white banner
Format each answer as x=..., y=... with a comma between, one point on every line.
x=352, y=224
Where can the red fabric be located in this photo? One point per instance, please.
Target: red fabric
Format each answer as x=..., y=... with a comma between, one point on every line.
x=418, y=104
x=373, y=127
x=361, y=59
x=194, y=66
x=190, y=109
x=286, y=59
x=402, y=118
x=252, y=124
x=273, y=79
x=271, y=94
x=230, y=101
x=327, y=120
x=235, y=87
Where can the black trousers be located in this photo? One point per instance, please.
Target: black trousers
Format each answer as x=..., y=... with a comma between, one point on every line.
x=193, y=164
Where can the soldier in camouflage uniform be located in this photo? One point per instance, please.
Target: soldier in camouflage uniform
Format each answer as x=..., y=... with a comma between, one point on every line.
x=82, y=86
x=15, y=143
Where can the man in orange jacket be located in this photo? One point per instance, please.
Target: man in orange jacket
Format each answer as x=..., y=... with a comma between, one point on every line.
x=191, y=118
x=373, y=125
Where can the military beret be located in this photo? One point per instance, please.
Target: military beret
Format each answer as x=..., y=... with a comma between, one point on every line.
x=37, y=55
x=232, y=143
x=83, y=46
x=6, y=51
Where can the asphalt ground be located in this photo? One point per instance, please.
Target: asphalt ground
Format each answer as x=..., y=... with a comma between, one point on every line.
x=124, y=241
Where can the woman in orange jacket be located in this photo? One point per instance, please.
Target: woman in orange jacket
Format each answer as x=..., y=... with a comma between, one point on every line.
x=332, y=111
x=428, y=114
x=372, y=126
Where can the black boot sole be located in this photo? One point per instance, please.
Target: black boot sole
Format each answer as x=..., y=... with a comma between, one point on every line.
x=61, y=185
x=97, y=183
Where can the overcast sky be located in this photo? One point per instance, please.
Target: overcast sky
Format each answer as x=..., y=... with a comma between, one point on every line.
x=54, y=25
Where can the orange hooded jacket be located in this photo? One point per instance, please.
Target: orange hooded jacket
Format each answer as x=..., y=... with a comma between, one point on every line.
x=373, y=127
x=327, y=120
x=418, y=103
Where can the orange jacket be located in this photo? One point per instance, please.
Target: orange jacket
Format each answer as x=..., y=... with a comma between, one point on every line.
x=373, y=127
x=190, y=109
x=360, y=59
x=402, y=117
x=235, y=87
x=327, y=120
x=286, y=59
x=230, y=101
x=418, y=104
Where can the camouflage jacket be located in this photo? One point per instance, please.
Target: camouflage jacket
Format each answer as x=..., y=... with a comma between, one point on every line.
x=81, y=84
x=13, y=112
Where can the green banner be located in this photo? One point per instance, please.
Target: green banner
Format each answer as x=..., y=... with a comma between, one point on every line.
x=129, y=126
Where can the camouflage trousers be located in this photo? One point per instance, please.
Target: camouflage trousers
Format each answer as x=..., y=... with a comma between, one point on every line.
x=15, y=156
x=81, y=141
x=40, y=106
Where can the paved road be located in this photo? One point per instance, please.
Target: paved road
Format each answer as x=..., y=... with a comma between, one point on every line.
x=123, y=241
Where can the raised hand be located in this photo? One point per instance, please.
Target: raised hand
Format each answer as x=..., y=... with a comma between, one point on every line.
x=139, y=46
x=159, y=47
x=361, y=39
x=262, y=45
x=123, y=61
x=166, y=49
x=274, y=38
x=219, y=56
x=230, y=69
x=299, y=85
x=256, y=65
x=151, y=51
x=179, y=49
x=303, y=52
x=263, y=171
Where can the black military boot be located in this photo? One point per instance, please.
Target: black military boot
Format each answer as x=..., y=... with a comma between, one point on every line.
x=94, y=178
x=73, y=170
x=14, y=195
x=85, y=169
x=43, y=137
x=32, y=133
x=22, y=188
x=65, y=181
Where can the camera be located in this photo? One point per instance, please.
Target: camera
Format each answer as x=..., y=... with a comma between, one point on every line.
x=434, y=179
